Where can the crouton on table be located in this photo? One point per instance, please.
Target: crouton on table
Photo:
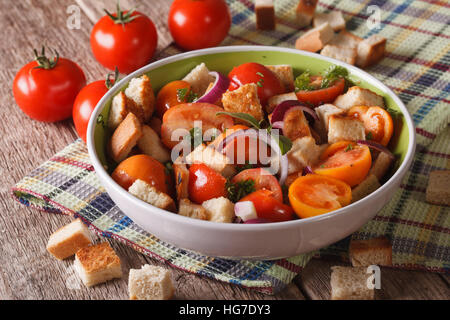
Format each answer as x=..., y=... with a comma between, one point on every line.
x=265, y=14
x=150, y=283
x=244, y=99
x=315, y=39
x=375, y=251
x=438, y=191
x=125, y=137
x=357, y=96
x=370, y=51
x=334, y=18
x=305, y=12
x=348, y=283
x=345, y=39
x=347, y=55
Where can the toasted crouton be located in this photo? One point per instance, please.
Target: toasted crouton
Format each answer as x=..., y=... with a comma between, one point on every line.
x=140, y=98
x=213, y=159
x=295, y=124
x=343, y=128
x=304, y=152
x=357, y=96
x=199, y=78
x=438, y=191
x=375, y=251
x=370, y=51
x=155, y=124
x=369, y=185
x=265, y=14
x=188, y=209
x=125, y=137
x=244, y=99
x=276, y=100
x=150, y=283
x=181, y=174
x=381, y=166
x=347, y=55
x=324, y=112
x=219, y=210
x=305, y=12
x=345, y=39
x=118, y=110
x=315, y=39
x=97, y=264
x=150, y=144
x=66, y=241
x=334, y=18
x=348, y=283
x=285, y=73
x=144, y=191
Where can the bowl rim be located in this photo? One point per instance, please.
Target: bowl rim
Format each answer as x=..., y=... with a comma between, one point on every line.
x=163, y=214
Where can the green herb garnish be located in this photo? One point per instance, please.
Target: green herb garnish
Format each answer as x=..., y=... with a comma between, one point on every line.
x=260, y=74
x=243, y=167
x=331, y=74
x=168, y=167
x=101, y=120
x=184, y=96
x=195, y=136
x=236, y=191
x=349, y=147
x=369, y=136
x=285, y=144
x=302, y=82
x=242, y=116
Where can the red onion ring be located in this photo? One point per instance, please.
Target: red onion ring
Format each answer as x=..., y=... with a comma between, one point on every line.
x=376, y=146
x=307, y=170
x=219, y=87
x=278, y=125
x=281, y=109
x=258, y=220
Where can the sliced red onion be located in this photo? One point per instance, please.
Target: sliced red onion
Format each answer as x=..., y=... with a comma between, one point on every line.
x=307, y=170
x=281, y=109
x=377, y=146
x=245, y=210
x=278, y=125
x=257, y=220
x=219, y=87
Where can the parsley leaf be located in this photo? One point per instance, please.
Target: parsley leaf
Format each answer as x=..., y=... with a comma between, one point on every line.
x=302, y=82
x=369, y=136
x=349, y=147
x=331, y=74
x=236, y=191
x=184, y=96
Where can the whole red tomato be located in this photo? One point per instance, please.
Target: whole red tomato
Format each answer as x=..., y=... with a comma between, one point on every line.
x=45, y=89
x=126, y=39
x=197, y=24
x=205, y=183
x=268, y=83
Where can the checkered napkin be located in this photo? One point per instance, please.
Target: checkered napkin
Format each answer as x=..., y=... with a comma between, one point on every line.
x=416, y=68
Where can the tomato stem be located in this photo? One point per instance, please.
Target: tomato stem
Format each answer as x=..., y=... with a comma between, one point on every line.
x=120, y=17
x=44, y=62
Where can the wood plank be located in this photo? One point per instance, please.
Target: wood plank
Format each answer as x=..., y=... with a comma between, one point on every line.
x=395, y=284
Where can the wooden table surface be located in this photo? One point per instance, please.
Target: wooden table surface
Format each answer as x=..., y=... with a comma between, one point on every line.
x=27, y=271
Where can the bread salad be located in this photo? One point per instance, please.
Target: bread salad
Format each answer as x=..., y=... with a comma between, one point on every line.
x=259, y=145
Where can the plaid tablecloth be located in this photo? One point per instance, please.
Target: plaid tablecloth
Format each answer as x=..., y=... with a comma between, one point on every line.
x=416, y=68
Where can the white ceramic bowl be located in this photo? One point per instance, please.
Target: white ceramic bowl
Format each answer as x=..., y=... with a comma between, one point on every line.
x=254, y=241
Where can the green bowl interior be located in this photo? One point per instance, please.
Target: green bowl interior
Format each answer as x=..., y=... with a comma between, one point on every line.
x=224, y=62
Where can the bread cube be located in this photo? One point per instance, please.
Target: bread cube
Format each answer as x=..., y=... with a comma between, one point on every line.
x=344, y=54
x=304, y=152
x=188, y=209
x=213, y=159
x=369, y=185
x=276, y=100
x=305, y=12
x=146, y=192
x=150, y=144
x=438, y=191
x=118, y=110
x=315, y=39
x=125, y=137
x=375, y=251
x=199, y=79
x=345, y=39
x=324, y=112
x=334, y=18
x=295, y=124
x=150, y=283
x=371, y=51
x=140, y=98
x=357, y=96
x=285, y=74
x=265, y=14
x=381, y=166
x=66, y=241
x=219, y=210
x=97, y=264
x=244, y=99
x=347, y=129
x=349, y=283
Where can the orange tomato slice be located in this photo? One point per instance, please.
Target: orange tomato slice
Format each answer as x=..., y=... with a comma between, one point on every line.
x=313, y=194
x=377, y=121
x=346, y=161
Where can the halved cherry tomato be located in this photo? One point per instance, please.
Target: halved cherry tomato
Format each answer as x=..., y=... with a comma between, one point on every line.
x=377, y=122
x=346, y=161
x=205, y=183
x=184, y=115
x=168, y=96
x=263, y=180
x=267, y=207
x=321, y=96
x=145, y=168
x=268, y=83
x=314, y=194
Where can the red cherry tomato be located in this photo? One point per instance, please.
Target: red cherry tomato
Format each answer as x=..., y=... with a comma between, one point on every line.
x=47, y=93
x=321, y=96
x=197, y=24
x=268, y=83
x=267, y=207
x=168, y=96
x=205, y=183
x=263, y=180
x=129, y=45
